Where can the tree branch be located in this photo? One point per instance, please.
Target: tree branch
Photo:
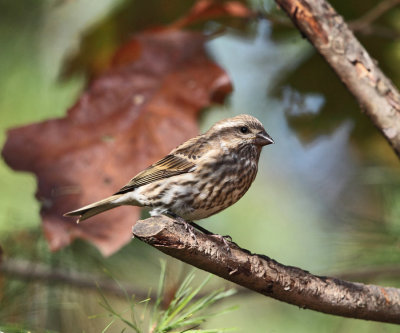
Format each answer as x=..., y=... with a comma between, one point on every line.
x=20, y=269
x=371, y=273
x=381, y=32
x=327, y=31
x=28, y=271
x=372, y=15
x=268, y=277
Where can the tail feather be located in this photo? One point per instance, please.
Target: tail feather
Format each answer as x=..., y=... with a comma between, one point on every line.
x=94, y=208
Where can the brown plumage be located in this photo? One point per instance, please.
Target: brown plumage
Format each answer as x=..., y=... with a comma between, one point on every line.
x=201, y=177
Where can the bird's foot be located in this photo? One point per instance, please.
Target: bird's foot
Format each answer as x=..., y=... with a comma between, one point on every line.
x=188, y=227
x=223, y=239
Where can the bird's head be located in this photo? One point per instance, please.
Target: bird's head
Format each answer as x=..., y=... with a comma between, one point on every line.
x=242, y=130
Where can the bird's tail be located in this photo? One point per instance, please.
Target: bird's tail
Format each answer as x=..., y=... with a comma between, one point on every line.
x=94, y=208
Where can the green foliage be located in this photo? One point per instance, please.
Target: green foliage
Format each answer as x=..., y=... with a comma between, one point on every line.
x=376, y=240
x=13, y=329
x=183, y=314
x=18, y=329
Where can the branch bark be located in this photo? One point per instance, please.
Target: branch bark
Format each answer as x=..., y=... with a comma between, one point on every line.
x=330, y=35
x=268, y=277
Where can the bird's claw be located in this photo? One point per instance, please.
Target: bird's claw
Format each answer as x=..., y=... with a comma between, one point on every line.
x=227, y=237
x=225, y=240
x=189, y=228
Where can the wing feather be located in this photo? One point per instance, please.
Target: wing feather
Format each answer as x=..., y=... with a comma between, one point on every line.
x=170, y=165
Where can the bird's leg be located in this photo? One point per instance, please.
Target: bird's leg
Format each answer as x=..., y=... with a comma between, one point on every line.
x=224, y=240
x=203, y=230
x=189, y=225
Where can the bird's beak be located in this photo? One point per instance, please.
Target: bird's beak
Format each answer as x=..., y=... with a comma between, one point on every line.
x=263, y=139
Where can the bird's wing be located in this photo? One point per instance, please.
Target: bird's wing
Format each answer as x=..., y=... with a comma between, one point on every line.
x=170, y=165
x=193, y=148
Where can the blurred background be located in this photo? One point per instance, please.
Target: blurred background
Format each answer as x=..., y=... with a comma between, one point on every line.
x=325, y=198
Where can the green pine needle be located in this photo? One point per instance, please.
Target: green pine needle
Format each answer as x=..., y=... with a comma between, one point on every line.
x=185, y=313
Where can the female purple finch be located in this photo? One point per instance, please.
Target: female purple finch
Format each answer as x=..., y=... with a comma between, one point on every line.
x=201, y=177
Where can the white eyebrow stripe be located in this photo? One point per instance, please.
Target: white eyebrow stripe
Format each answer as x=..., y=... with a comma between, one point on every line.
x=226, y=125
x=241, y=120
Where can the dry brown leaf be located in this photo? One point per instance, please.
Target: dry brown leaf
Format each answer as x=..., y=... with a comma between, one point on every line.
x=211, y=9
x=129, y=117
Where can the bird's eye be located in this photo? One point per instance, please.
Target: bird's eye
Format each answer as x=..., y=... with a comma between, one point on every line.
x=244, y=129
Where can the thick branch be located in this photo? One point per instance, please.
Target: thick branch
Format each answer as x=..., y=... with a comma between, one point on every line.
x=268, y=277
x=330, y=35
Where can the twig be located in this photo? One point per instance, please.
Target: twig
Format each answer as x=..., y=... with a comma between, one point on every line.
x=327, y=31
x=371, y=273
x=382, y=32
x=362, y=26
x=28, y=271
x=275, y=19
x=19, y=269
x=372, y=15
x=268, y=277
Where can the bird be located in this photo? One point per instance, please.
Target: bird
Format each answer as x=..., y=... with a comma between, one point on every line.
x=197, y=179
